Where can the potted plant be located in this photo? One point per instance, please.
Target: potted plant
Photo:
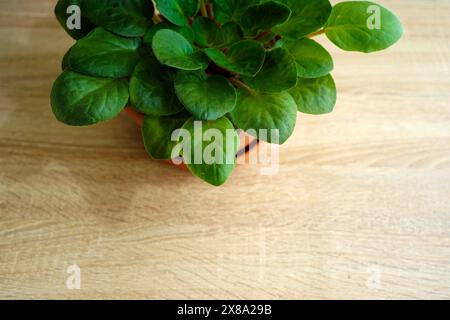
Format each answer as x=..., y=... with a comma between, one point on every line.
x=225, y=65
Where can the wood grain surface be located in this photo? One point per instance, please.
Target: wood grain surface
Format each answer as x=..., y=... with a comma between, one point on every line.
x=359, y=209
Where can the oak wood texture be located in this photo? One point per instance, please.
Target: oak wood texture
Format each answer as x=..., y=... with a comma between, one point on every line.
x=359, y=209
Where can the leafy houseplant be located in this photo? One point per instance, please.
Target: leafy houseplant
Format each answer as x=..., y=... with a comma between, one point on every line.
x=231, y=64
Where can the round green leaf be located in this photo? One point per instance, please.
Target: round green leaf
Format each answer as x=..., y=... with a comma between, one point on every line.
x=363, y=26
x=307, y=16
x=80, y=100
x=104, y=54
x=257, y=111
x=231, y=10
x=62, y=16
x=207, y=98
x=278, y=73
x=178, y=11
x=315, y=96
x=217, y=158
x=151, y=89
x=173, y=50
x=244, y=58
x=157, y=133
x=129, y=18
x=312, y=59
x=263, y=17
x=186, y=32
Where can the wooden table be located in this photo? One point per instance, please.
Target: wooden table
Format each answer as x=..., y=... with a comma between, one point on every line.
x=359, y=209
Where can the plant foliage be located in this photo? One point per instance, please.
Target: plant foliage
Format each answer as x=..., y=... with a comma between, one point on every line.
x=230, y=64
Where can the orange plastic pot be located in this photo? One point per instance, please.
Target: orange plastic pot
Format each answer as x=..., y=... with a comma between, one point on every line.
x=248, y=143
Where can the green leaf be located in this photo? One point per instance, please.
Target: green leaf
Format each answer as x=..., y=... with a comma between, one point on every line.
x=178, y=11
x=157, y=133
x=217, y=158
x=80, y=100
x=313, y=60
x=228, y=34
x=263, y=17
x=186, y=32
x=231, y=10
x=62, y=16
x=244, y=58
x=173, y=50
x=279, y=73
x=315, y=96
x=104, y=54
x=130, y=18
x=307, y=16
x=151, y=89
x=257, y=111
x=207, y=98
x=207, y=34
x=353, y=27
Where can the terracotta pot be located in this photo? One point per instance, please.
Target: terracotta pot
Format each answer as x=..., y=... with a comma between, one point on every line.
x=248, y=145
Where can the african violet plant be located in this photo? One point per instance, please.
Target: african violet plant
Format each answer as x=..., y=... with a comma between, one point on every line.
x=231, y=64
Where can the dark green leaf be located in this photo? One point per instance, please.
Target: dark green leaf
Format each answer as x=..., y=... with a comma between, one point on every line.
x=104, y=54
x=80, y=100
x=279, y=72
x=151, y=89
x=61, y=14
x=178, y=11
x=173, y=50
x=130, y=18
x=315, y=96
x=228, y=34
x=353, y=27
x=263, y=17
x=231, y=10
x=257, y=111
x=205, y=31
x=312, y=59
x=218, y=151
x=207, y=98
x=208, y=34
x=157, y=133
x=307, y=16
x=244, y=58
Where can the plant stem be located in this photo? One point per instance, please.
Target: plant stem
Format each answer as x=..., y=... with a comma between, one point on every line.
x=203, y=10
x=210, y=9
x=215, y=69
x=261, y=35
x=239, y=84
x=271, y=43
x=157, y=18
x=317, y=33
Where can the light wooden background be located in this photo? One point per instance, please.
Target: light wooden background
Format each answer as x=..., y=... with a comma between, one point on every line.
x=359, y=209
